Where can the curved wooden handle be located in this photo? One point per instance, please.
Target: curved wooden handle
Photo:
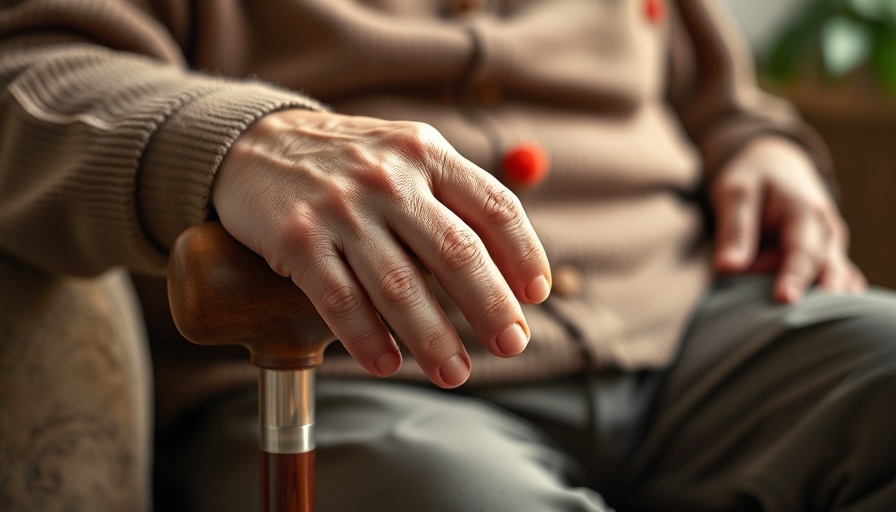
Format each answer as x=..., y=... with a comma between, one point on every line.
x=222, y=293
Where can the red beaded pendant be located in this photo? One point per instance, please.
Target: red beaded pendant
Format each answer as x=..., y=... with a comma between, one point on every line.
x=525, y=165
x=654, y=10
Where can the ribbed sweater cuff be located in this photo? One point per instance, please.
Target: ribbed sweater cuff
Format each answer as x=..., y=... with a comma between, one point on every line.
x=184, y=153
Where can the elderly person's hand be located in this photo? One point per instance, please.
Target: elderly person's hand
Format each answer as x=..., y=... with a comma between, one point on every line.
x=342, y=205
x=773, y=213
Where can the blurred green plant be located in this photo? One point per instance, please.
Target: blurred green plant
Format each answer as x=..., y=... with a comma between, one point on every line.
x=835, y=39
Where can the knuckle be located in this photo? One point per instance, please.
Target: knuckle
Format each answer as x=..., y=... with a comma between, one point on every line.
x=422, y=148
x=811, y=248
x=502, y=206
x=340, y=301
x=423, y=131
x=498, y=306
x=399, y=286
x=805, y=263
x=817, y=210
x=415, y=138
x=460, y=250
x=390, y=181
x=362, y=158
x=432, y=341
x=338, y=209
x=338, y=197
x=290, y=239
x=297, y=227
x=734, y=190
x=532, y=253
x=364, y=341
x=734, y=229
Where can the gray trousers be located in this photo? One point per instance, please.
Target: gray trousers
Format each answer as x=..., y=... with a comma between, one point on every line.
x=767, y=407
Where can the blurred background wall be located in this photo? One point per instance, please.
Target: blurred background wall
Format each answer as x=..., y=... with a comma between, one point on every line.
x=836, y=62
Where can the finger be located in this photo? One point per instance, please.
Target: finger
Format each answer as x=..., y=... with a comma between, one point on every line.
x=849, y=279
x=858, y=283
x=838, y=273
x=803, y=243
x=767, y=259
x=737, y=207
x=463, y=267
x=345, y=307
x=497, y=216
x=855, y=280
x=837, y=270
x=835, y=275
x=397, y=289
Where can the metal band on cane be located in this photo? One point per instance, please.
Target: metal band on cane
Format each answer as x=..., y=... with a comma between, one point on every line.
x=286, y=410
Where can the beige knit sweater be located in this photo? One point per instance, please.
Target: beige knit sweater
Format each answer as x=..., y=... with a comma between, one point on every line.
x=115, y=116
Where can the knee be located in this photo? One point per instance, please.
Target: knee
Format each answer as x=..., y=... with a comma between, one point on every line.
x=857, y=328
x=442, y=455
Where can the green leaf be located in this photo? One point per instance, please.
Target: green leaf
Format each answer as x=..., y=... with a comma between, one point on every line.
x=883, y=11
x=786, y=55
x=884, y=62
x=845, y=45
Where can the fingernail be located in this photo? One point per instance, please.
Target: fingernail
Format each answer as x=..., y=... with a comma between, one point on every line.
x=734, y=253
x=793, y=293
x=512, y=341
x=388, y=363
x=538, y=290
x=790, y=291
x=455, y=371
x=730, y=257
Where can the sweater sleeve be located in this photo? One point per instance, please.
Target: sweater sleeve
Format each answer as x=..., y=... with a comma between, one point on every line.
x=108, y=144
x=712, y=86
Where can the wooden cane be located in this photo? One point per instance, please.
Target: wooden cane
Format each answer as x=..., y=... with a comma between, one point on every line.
x=222, y=293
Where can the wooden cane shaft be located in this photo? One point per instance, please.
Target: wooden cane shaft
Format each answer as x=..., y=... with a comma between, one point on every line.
x=287, y=482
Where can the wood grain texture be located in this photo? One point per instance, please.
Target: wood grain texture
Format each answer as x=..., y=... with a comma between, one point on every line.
x=287, y=482
x=222, y=293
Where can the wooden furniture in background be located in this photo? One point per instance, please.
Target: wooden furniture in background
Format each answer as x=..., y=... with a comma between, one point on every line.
x=860, y=130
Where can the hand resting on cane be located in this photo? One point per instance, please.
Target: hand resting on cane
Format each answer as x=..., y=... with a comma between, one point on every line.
x=338, y=204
